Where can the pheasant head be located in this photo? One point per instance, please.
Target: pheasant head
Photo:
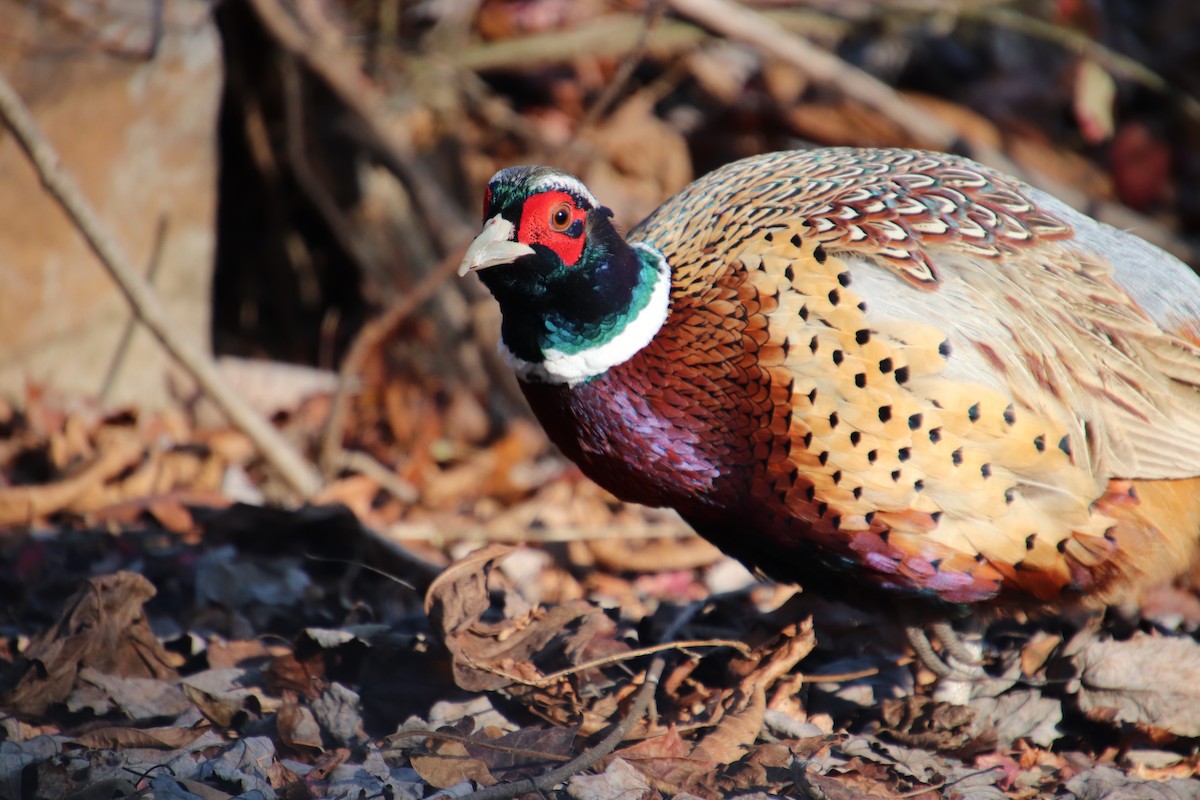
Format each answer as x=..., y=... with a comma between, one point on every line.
x=576, y=298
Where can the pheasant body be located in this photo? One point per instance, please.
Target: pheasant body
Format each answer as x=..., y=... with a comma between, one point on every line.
x=888, y=370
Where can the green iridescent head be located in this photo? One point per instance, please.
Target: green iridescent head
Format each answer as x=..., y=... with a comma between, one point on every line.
x=565, y=279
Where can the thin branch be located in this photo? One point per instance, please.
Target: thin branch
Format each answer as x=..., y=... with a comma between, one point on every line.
x=742, y=24
x=448, y=226
x=312, y=186
x=291, y=465
x=616, y=85
x=616, y=34
x=546, y=680
x=588, y=758
x=739, y=23
x=369, y=339
x=846, y=677
x=641, y=704
x=121, y=351
x=482, y=744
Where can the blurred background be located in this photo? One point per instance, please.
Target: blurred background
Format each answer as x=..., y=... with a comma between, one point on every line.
x=283, y=174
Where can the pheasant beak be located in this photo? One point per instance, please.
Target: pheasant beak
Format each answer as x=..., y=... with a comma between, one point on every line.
x=493, y=247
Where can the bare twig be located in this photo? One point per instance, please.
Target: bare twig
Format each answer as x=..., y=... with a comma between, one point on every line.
x=742, y=24
x=546, y=680
x=615, y=34
x=846, y=677
x=739, y=23
x=121, y=351
x=641, y=704
x=653, y=13
x=939, y=786
x=291, y=465
x=302, y=169
x=359, y=565
x=372, y=335
x=448, y=226
x=586, y=759
x=482, y=744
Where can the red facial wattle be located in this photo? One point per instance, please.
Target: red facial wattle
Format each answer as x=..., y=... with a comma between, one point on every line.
x=544, y=222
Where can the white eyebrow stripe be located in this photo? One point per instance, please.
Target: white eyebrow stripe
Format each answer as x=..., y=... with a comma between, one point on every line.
x=564, y=183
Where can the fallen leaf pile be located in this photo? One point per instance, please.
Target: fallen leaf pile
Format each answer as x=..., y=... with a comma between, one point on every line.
x=262, y=649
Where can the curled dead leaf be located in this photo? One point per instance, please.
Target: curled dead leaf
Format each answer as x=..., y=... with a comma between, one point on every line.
x=297, y=727
x=520, y=647
x=459, y=595
x=117, y=738
x=103, y=627
x=743, y=718
x=22, y=504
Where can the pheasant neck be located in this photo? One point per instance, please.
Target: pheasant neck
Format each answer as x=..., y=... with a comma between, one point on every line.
x=613, y=312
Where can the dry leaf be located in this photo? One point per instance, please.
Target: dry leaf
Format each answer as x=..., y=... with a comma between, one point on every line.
x=1018, y=714
x=222, y=655
x=447, y=764
x=223, y=697
x=528, y=751
x=1148, y=680
x=459, y=595
x=763, y=765
x=1037, y=651
x=337, y=712
x=492, y=655
x=653, y=555
x=297, y=727
x=116, y=738
x=287, y=672
x=138, y=698
x=619, y=781
x=103, y=627
x=24, y=504
x=666, y=761
x=1106, y=783
x=735, y=732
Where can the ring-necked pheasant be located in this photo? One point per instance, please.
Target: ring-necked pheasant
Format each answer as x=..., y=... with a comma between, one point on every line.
x=867, y=371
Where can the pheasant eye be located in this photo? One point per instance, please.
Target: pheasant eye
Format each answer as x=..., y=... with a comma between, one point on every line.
x=560, y=217
x=554, y=220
